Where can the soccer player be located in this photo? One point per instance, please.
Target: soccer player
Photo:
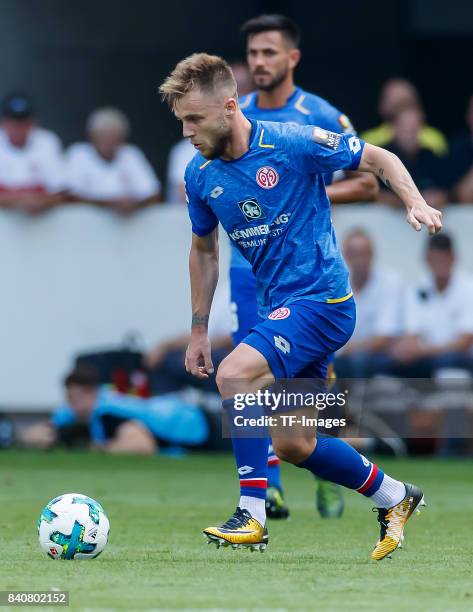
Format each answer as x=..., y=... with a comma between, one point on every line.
x=272, y=43
x=264, y=182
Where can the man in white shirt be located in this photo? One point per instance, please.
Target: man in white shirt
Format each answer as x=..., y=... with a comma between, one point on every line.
x=108, y=172
x=31, y=165
x=378, y=296
x=439, y=317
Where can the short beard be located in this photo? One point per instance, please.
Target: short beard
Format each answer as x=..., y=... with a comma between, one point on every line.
x=278, y=79
x=220, y=145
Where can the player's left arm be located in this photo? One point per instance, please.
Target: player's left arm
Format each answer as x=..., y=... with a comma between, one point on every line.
x=356, y=187
x=392, y=172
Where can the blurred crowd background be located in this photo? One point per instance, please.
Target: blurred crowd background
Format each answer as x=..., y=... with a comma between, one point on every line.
x=82, y=126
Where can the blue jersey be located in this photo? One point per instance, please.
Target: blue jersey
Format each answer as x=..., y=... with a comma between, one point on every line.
x=272, y=203
x=303, y=108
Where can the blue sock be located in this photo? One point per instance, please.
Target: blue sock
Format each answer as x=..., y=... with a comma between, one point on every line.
x=251, y=456
x=336, y=461
x=274, y=469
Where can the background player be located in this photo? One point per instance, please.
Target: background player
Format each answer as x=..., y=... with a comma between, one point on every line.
x=272, y=43
x=297, y=265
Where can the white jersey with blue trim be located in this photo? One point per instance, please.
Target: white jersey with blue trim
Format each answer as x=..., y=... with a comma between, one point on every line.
x=272, y=203
x=303, y=108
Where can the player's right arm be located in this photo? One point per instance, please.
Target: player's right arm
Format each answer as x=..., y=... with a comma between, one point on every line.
x=203, y=268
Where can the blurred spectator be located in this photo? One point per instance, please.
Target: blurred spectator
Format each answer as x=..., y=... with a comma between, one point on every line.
x=395, y=94
x=426, y=168
x=182, y=152
x=166, y=360
x=243, y=77
x=108, y=172
x=460, y=162
x=439, y=317
x=117, y=423
x=31, y=166
x=378, y=296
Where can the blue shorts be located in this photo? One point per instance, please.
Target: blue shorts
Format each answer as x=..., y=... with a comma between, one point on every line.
x=244, y=308
x=299, y=339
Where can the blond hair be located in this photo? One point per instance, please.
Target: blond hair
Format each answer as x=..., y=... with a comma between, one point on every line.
x=200, y=70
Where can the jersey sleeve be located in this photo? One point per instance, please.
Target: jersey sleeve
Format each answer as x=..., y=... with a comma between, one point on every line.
x=201, y=215
x=317, y=150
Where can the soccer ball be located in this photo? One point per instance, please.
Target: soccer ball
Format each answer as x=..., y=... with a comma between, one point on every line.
x=73, y=526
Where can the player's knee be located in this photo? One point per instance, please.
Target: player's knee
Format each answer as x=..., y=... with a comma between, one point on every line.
x=293, y=450
x=230, y=372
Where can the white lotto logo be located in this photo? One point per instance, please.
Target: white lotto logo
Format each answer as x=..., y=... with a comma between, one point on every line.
x=282, y=344
x=216, y=191
x=246, y=469
x=267, y=177
x=279, y=313
x=354, y=144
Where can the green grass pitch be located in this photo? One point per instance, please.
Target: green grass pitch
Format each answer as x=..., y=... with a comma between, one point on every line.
x=157, y=557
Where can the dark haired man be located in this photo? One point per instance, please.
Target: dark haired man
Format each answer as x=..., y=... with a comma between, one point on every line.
x=439, y=316
x=272, y=49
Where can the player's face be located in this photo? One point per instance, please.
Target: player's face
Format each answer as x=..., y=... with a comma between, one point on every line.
x=206, y=121
x=270, y=59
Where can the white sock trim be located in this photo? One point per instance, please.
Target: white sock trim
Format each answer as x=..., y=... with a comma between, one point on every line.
x=255, y=506
x=390, y=493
